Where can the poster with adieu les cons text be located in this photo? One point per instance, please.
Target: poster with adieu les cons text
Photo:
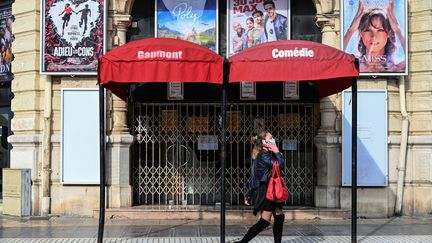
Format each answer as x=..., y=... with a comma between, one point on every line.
x=72, y=35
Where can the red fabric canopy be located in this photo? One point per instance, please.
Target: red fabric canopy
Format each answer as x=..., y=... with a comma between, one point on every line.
x=158, y=60
x=295, y=60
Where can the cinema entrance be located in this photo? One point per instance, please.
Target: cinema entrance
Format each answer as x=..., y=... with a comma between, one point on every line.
x=176, y=150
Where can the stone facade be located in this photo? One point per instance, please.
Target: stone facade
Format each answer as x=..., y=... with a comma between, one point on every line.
x=28, y=121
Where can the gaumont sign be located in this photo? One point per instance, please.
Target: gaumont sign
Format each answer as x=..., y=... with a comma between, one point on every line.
x=303, y=52
x=160, y=54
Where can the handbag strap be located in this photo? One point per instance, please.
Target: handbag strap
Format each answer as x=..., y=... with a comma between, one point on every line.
x=276, y=169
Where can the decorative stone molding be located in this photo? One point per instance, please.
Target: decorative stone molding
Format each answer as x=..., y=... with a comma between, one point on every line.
x=327, y=191
x=121, y=6
x=120, y=24
x=324, y=6
x=118, y=169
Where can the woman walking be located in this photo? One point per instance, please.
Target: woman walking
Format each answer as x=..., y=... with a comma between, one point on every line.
x=264, y=153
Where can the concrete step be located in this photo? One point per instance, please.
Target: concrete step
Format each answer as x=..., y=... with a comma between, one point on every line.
x=213, y=212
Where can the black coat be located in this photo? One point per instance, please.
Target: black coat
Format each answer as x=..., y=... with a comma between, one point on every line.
x=263, y=164
x=261, y=172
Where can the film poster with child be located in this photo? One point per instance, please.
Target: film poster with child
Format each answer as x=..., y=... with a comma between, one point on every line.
x=72, y=36
x=194, y=21
x=375, y=31
x=251, y=22
x=6, y=39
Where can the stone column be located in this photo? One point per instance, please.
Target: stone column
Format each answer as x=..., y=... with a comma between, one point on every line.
x=118, y=166
x=327, y=191
x=27, y=121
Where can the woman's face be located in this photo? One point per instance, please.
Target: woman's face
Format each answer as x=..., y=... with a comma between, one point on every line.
x=268, y=137
x=374, y=36
x=249, y=24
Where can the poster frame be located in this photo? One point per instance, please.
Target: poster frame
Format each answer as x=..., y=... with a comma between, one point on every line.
x=170, y=92
x=95, y=180
x=245, y=95
x=42, y=44
x=405, y=32
x=216, y=23
x=7, y=78
x=285, y=90
x=346, y=179
x=228, y=25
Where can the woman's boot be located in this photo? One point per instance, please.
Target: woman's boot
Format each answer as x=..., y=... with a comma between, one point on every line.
x=278, y=227
x=255, y=230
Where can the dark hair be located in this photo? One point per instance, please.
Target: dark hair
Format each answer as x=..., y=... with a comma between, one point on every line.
x=257, y=143
x=366, y=21
x=269, y=2
x=250, y=19
x=258, y=12
x=241, y=32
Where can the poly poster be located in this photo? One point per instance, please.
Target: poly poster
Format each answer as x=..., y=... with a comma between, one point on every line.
x=194, y=21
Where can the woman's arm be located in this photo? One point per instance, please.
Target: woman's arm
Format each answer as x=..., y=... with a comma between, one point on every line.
x=253, y=185
x=354, y=24
x=267, y=159
x=281, y=160
x=394, y=24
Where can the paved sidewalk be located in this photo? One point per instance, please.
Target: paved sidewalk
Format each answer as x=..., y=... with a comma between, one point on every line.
x=84, y=230
x=261, y=239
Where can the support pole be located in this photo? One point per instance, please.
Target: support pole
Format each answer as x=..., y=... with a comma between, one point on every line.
x=403, y=148
x=354, y=163
x=46, y=144
x=102, y=163
x=223, y=151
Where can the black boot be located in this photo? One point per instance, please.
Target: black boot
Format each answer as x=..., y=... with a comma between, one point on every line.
x=278, y=227
x=255, y=230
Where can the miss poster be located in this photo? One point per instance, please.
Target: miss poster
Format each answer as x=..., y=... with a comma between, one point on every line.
x=375, y=31
x=72, y=36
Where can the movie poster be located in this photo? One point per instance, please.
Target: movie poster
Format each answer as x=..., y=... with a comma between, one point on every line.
x=6, y=39
x=251, y=22
x=72, y=36
x=375, y=31
x=194, y=21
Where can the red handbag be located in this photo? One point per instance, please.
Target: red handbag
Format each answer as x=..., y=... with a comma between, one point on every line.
x=277, y=191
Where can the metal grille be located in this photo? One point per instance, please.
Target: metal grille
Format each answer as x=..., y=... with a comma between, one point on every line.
x=170, y=166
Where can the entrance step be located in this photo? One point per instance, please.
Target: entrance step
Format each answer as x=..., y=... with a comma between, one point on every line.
x=213, y=212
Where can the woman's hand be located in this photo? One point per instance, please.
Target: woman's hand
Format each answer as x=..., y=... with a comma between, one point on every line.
x=247, y=202
x=354, y=24
x=394, y=24
x=360, y=11
x=392, y=16
x=271, y=147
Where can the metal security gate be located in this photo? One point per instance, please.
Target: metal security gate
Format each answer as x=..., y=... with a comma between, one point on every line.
x=176, y=154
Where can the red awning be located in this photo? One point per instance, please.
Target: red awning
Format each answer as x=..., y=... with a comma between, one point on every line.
x=295, y=60
x=158, y=60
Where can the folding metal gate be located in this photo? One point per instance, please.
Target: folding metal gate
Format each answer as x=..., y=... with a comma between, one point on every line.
x=176, y=154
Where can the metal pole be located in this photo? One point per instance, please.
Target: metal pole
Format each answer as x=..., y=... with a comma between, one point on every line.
x=223, y=152
x=102, y=163
x=354, y=163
